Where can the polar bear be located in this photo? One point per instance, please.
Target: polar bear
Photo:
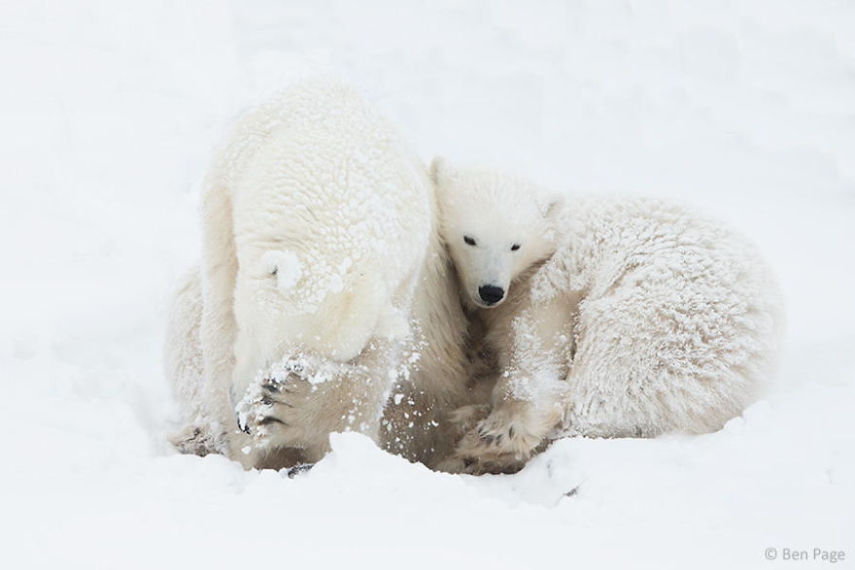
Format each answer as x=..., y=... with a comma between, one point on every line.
x=322, y=260
x=608, y=318
x=316, y=222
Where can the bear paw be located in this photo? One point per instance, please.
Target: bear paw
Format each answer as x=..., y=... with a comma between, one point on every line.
x=500, y=443
x=196, y=440
x=269, y=413
x=463, y=420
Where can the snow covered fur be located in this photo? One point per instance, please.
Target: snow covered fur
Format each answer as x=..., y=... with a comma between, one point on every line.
x=609, y=318
x=316, y=222
x=323, y=283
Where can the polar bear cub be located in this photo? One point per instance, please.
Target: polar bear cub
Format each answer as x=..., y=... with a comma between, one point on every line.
x=608, y=318
x=316, y=221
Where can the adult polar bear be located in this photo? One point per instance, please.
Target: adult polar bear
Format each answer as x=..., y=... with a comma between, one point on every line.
x=315, y=226
x=625, y=318
x=320, y=243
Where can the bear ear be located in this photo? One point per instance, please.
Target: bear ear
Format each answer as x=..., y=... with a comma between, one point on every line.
x=284, y=266
x=439, y=171
x=551, y=206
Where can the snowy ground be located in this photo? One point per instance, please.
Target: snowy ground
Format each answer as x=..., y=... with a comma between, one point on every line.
x=108, y=113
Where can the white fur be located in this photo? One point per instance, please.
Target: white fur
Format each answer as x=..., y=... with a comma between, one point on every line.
x=500, y=251
x=321, y=245
x=316, y=222
x=645, y=319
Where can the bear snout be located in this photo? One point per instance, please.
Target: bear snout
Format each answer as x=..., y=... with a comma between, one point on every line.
x=490, y=294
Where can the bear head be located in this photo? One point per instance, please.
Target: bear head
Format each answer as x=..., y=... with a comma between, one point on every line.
x=495, y=226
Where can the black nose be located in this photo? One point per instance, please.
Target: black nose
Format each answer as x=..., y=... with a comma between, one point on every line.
x=491, y=294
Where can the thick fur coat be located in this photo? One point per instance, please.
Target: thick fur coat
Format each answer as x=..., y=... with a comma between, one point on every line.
x=325, y=292
x=316, y=221
x=635, y=319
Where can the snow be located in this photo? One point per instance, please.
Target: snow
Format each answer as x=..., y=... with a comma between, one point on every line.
x=109, y=113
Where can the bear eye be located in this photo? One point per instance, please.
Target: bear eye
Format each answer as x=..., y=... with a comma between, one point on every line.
x=275, y=270
x=469, y=240
x=515, y=247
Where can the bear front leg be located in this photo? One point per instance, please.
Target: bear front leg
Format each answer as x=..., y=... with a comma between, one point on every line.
x=528, y=400
x=309, y=397
x=512, y=432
